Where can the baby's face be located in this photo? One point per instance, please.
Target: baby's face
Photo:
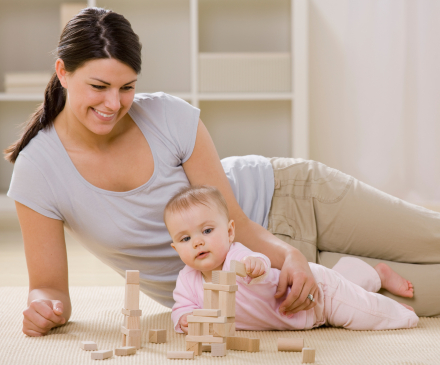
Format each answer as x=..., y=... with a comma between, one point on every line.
x=202, y=236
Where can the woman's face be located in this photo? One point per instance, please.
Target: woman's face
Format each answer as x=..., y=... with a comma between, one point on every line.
x=99, y=93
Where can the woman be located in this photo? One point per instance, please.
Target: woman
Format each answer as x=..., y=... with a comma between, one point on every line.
x=102, y=162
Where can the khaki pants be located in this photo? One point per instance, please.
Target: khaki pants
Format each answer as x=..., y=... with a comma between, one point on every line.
x=327, y=214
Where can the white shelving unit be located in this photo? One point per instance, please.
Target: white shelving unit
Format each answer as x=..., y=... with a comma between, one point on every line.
x=176, y=36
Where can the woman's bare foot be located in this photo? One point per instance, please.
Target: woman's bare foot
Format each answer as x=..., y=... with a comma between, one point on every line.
x=393, y=282
x=408, y=307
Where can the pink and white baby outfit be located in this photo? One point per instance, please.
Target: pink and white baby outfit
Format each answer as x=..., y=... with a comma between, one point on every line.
x=347, y=298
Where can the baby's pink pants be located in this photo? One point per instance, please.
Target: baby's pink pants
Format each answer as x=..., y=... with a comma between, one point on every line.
x=351, y=301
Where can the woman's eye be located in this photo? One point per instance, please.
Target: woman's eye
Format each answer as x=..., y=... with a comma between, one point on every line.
x=185, y=239
x=126, y=88
x=207, y=231
x=99, y=87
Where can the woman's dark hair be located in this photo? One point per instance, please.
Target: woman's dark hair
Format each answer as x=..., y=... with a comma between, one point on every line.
x=92, y=34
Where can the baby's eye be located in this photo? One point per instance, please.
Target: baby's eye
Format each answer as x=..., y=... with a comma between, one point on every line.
x=185, y=239
x=207, y=231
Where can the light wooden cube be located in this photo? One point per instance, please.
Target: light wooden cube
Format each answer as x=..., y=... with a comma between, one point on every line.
x=134, y=341
x=157, y=336
x=218, y=349
x=210, y=299
x=290, y=344
x=89, y=345
x=132, y=323
x=101, y=355
x=131, y=333
x=224, y=277
x=227, y=303
x=180, y=355
x=125, y=351
x=131, y=296
x=207, y=312
x=308, y=355
x=132, y=276
x=195, y=347
x=239, y=268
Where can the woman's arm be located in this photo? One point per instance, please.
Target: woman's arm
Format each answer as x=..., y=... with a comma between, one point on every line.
x=204, y=167
x=45, y=248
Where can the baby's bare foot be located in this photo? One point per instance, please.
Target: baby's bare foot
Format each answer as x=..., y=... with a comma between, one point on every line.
x=408, y=307
x=393, y=282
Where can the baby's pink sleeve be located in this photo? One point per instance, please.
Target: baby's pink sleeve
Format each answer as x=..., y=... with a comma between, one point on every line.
x=185, y=301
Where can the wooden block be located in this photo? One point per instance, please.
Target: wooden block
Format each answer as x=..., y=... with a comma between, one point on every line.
x=132, y=312
x=125, y=351
x=290, y=344
x=210, y=299
x=223, y=329
x=124, y=339
x=131, y=276
x=157, y=336
x=239, y=268
x=89, y=345
x=132, y=323
x=101, y=355
x=195, y=329
x=207, y=339
x=227, y=303
x=180, y=355
x=196, y=347
x=131, y=296
x=206, y=347
x=207, y=329
x=237, y=343
x=224, y=277
x=253, y=345
x=206, y=312
x=218, y=349
x=197, y=319
x=134, y=341
x=131, y=333
x=308, y=355
x=229, y=288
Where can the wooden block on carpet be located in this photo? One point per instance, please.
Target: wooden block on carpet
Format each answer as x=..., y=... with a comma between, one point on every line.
x=207, y=339
x=131, y=296
x=206, y=347
x=239, y=268
x=131, y=333
x=132, y=276
x=224, y=277
x=196, y=347
x=218, y=349
x=157, y=336
x=180, y=355
x=101, y=355
x=134, y=341
x=237, y=343
x=308, y=355
x=125, y=351
x=215, y=287
x=290, y=344
x=89, y=345
x=132, y=312
x=206, y=312
x=253, y=345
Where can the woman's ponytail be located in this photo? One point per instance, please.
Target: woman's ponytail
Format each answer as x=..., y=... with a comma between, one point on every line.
x=94, y=33
x=53, y=104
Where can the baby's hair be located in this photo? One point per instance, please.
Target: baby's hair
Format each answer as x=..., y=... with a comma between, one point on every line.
x=196, y=195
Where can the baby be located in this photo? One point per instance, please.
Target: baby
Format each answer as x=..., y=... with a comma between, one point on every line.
x=198, y=221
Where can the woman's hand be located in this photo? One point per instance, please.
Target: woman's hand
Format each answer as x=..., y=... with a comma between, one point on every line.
x=41, y=316
x=255, y=266
x=296, y=273
x=184, y=323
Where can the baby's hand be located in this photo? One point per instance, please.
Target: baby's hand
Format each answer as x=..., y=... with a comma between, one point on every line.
x=184, y=323
x=255, y=266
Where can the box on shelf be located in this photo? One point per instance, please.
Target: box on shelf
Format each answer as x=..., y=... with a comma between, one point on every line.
x=26, y=82
x=245, y=72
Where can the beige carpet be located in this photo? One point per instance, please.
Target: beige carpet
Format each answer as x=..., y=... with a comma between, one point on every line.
x=97, y=317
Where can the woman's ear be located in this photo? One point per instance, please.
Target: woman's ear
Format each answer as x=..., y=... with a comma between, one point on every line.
x=231, y=231
x=61, y=72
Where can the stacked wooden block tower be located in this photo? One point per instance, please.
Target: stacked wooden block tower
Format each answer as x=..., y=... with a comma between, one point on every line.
x=131, y=330
x=215, y=323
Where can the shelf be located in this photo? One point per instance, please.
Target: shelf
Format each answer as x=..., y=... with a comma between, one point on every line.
x=245, y=96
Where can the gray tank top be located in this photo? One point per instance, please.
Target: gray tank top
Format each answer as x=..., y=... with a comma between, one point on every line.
x=125, y=230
